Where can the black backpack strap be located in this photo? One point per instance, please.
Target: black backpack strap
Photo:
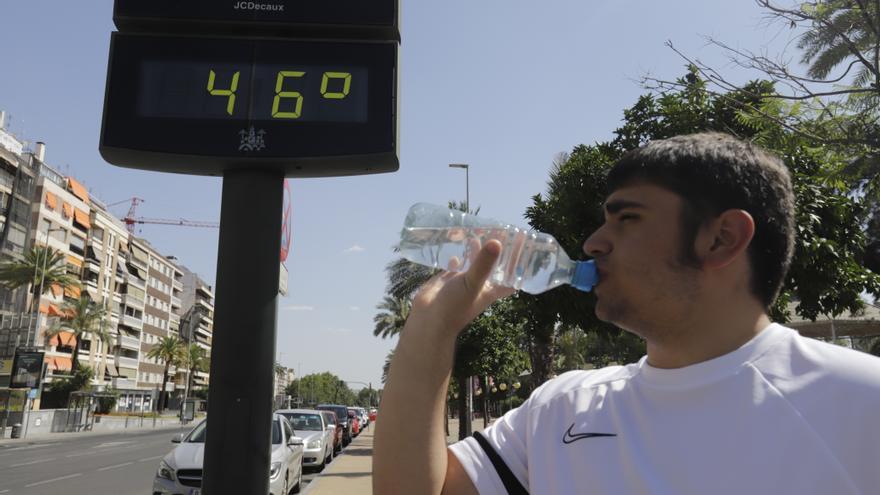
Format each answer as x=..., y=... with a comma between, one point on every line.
x=511, y=483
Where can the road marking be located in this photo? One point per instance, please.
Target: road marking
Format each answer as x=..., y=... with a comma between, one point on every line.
x=53, y=480
x=116, y=466
x=151, y=458
x=33, y=462
x=4, y=491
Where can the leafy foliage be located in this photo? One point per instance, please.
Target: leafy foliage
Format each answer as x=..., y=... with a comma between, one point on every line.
x=320, y=388
x=83, y=318
x=171, y=352
x=41, y=264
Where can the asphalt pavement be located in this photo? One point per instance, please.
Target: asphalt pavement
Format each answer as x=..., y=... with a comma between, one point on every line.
x=118, y=463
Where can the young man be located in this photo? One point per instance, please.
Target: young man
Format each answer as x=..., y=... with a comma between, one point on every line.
x=697, y=239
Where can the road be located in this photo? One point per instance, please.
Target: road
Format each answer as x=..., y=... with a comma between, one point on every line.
x=118, y=463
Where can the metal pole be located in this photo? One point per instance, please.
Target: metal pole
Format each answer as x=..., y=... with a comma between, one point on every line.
x=237, y=451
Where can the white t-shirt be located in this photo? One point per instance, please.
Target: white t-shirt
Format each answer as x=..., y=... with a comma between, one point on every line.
x=783, y=414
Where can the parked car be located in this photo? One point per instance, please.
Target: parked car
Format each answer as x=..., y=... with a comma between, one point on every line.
x=355, y=422
x=361, y=415
x=336, y=427
x=181, y=470
x=317, y=437
x=342, y=416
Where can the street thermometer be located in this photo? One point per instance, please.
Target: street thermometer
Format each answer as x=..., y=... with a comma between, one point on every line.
x=253, y=91
x=245, y=88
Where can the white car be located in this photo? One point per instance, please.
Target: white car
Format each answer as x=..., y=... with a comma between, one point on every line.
x=317, y=437
x=180, y=472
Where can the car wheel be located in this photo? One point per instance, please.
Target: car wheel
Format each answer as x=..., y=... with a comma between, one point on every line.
x=298, y=485
x=320, y=467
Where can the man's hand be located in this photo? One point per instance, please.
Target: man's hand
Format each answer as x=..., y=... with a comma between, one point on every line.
x=409, y=449
x=453, y=299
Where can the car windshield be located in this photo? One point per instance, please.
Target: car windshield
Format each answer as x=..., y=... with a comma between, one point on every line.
x=304, y=421
x=276, y=432
x=198, y=434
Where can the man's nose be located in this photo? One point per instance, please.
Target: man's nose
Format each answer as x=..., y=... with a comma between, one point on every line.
x=597, y=244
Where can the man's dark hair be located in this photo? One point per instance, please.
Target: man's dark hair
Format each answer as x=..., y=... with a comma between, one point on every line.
x=715, y=172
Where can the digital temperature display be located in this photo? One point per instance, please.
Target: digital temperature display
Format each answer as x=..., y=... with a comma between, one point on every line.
x=303, y=93
x=205, y=105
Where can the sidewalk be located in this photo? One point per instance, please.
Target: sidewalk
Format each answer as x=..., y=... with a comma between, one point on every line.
x=31, y=439
x=352, y=472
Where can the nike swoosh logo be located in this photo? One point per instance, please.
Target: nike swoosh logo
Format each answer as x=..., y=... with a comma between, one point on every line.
x=570, y=437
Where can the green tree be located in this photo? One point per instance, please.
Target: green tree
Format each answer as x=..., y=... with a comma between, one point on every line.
x=195, y=359
x=170, y=351
x=41, y=264
x=834, y=102
x=367, y=397
x=79, y=380
x=83, y=318
x=318, y=388
x=826, y=276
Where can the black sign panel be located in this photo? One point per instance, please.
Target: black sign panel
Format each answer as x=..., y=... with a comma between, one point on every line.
x=366, y=19
x=204, y=105
x=27, y=369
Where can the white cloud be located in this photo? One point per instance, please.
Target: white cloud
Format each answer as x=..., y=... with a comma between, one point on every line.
x=354, y=308
x=297, y=307
x=354, y=249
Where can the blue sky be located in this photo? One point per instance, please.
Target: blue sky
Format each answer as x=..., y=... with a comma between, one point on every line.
x=503, y=85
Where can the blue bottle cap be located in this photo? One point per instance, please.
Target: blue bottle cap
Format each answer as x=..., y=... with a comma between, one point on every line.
x=585, y=275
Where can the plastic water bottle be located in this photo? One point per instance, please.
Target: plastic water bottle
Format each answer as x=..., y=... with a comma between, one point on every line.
x=530, y=261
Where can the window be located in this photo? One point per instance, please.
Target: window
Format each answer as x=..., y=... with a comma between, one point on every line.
x=59, y=234
x=77, y=244
x=97, y=234
x=45, y=225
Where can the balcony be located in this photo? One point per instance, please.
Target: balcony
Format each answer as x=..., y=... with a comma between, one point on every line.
x=124, y=362
x=133, y=302
x=93, y=264
x=175, y=302
x=137, y=282
x=127, y=342
x=133, y=322
x=134, y=260
x=119, y=382
x=174, y=318
x=177, y=285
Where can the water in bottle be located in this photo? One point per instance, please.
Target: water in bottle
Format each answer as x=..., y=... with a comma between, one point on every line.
x=530, y=261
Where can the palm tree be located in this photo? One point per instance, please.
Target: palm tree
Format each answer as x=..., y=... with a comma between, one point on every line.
x=42, y=265
x=81, y=317
x=841, y=32
x=395, y=312
x=170, y=351
x=195, y=359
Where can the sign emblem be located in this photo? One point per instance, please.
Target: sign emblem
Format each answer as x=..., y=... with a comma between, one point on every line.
x=252, y=140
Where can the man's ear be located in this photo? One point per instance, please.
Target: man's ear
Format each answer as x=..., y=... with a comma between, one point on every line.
x=725, y=238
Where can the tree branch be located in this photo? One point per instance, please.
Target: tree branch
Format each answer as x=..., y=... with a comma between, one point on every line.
x=798, y=16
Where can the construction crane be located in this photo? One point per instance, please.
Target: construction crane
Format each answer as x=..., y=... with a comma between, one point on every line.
x=131, y=220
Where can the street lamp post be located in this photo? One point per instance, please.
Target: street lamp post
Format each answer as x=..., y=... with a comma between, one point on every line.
x=469, y=395
x=467, y=192
x=40, y=293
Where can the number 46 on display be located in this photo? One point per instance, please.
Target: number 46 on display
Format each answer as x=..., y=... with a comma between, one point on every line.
x=279, y=94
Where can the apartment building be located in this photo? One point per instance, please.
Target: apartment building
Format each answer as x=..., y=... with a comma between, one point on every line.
x=197, y=317
x=157, y=316
x=61, y=218
x=17, y=180
x=111, y=286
